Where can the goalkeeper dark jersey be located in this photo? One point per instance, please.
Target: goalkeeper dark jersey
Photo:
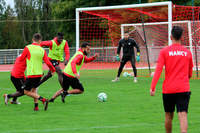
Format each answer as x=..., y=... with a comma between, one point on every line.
x=128, y=47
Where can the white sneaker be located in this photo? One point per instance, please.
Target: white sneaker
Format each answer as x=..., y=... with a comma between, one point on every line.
x=135, y=80
x=15, y=102
x=5, y=98
x=115, y=80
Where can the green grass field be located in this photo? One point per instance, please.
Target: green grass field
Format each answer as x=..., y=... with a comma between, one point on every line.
x=129, y=109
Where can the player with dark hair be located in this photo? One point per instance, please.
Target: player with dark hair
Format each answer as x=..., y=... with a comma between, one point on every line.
x=128, y=45
x=57, y=47
x=34, y=56
x=18, y=79
x=178, y=64
x=71, y=73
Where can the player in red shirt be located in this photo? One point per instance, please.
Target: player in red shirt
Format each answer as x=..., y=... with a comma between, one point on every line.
x=71, y=73
x=178, y=64
x=18, y=79
x=34, y=56
x=57, y=47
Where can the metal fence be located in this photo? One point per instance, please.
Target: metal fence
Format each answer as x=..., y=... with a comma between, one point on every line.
x=107, y=54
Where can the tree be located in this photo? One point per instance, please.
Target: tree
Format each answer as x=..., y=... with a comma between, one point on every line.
x=2, y=7
x=10, y=36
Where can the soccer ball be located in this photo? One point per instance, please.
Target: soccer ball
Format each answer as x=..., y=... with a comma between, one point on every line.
x=126, y=74
x=102, y=97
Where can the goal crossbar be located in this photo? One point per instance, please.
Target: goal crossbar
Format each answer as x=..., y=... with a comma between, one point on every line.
x=124, y=6
x=78, y=10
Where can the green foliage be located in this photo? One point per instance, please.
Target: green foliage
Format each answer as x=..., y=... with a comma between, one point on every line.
x=19, y=24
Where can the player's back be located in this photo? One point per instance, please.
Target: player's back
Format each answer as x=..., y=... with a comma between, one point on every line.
x=34, y=64
x=177, y=61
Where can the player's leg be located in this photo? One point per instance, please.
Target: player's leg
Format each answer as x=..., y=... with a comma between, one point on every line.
x=77, y=89
x=33, y=94
x=182, y=103
x=75, y=84
x=183, y=121
x=56, y=63
x=122, y=64
x=45, y=78
x=56, y=95
x=17, y=82
x=15, y=96
x=19, y=91
x=60, y=77
x=169, y=107
x=132, y=60
x=66, y=84
x=36, y=96
x=168, y=121
x=34, y=90
x=29, y=85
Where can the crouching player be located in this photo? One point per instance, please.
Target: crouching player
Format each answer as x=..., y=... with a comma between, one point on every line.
x=18, y=79
x=71, y=73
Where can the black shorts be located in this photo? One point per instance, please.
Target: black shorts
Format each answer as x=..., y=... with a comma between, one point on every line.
x=125, y=59
x=17, y=82
x=180, y=100
x=31, y=83
x=54, y=62
x=73, y=82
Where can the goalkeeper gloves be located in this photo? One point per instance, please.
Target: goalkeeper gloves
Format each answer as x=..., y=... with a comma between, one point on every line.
x=117, y=58
x=138, y=57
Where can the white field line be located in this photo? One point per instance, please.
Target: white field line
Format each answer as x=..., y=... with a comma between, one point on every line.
x=5, y=70
x=80, y=128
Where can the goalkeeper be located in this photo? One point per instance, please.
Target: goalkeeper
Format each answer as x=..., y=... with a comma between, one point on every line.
x=128, y=45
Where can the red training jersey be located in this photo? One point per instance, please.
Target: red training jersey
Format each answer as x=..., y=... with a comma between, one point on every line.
x=19, y=68
x=178, y=64
x=50, y=43
x=26, y=55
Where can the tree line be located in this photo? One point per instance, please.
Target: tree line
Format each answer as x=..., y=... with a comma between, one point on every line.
x=18, y=24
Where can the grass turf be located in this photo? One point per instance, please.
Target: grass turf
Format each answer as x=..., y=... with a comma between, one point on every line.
x=129, y=109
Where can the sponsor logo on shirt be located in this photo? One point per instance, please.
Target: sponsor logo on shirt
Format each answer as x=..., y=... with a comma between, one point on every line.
x=177, y=53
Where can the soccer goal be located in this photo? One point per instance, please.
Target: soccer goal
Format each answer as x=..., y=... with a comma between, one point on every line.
x=102, y=28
